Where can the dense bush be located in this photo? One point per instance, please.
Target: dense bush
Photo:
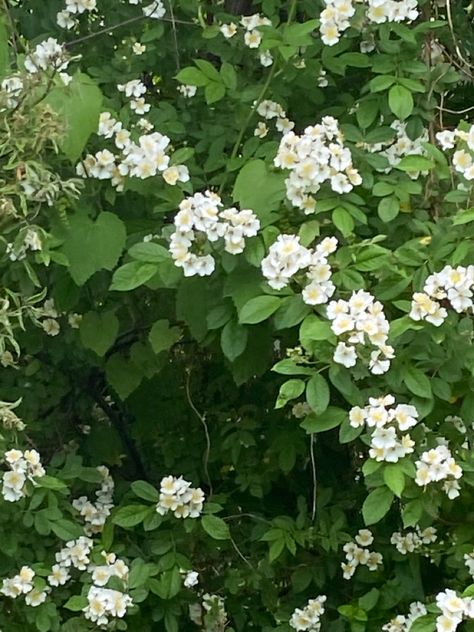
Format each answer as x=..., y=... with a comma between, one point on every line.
x=236, y=319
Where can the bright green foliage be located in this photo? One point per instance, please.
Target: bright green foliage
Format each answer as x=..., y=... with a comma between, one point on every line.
x=116, y=352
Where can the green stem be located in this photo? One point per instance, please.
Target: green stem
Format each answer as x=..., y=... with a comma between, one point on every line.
x=254, y=107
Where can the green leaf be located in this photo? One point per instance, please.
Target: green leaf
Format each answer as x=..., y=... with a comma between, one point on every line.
x=92, y=246
x=381, y=83
x=259, y=189
x=331, y=418
x=139, y=573
x=312, y=328
x=208, y=69
x=79, y=105
x=394, y=478
x=356, y=60
x=214, y=92
x=426, y=623
x=149, y=252
x=291, y=312
x=66, y=530
x=229, y=76
x=192, y=77
x=76, y=603
x=215, y=527
x=412, y=513
x=123, y=375
x=131, y=515
x=400, y=102
x=145, y=491
x=376, y=505
x=417, y=382
x=233, y=340
x=388, y=208
x=98, y=331
x=162, y=337
x=132, y=275
x=317, y=394
x=464, y=217
x=343, y=221
x=290, y=367
x=414, y=163
x=258, y=309
x=50, y=482
x=291, y=389
x=348, y=433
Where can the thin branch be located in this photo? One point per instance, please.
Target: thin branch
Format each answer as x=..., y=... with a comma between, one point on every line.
x=312, y=441
x=119, y=25
x=240, y=554
x=453, y=35
x=465, y=111
x=175, y=34
x=202, y=419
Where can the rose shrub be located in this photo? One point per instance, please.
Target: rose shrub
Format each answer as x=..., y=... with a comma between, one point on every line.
x=237, y=315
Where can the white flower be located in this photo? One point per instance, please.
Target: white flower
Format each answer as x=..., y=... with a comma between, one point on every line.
x=345, y=355
x=191, y=579
x=59, y=576
x=138, y=49
x=228, y=30
x=51, y=326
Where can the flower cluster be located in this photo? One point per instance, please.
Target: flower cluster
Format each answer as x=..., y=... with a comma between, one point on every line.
x=191, y=578
x=213, y=606
x=403, y=146
x=413, y=541
x=104, y=603
x=252, y=36
x=49, y=55
x=178, y=496
x=272, y=110
x=438, y=464
x=308, y=618
x=20, y=584
x=95, y=514
x=67, y=17
x=384, y=420
x=75, y=554
x=199, y=221
x=335, y=19
x=361, y=321
x=451, y=284
x=10, y=91
x=8, y=418
x=462, y=159
x=287, y=256
x=403, y=623
x=358, y=553
x=113, y=567
x=24, y=466
x=142, y=159
x=453, y=610
x=30, y=240
x=318, y=155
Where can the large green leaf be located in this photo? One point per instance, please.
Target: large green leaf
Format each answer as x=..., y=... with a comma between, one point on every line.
x=376, y=505
x=98, y=331
x=259, y=189
x=92, y=246
x=79, y=104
